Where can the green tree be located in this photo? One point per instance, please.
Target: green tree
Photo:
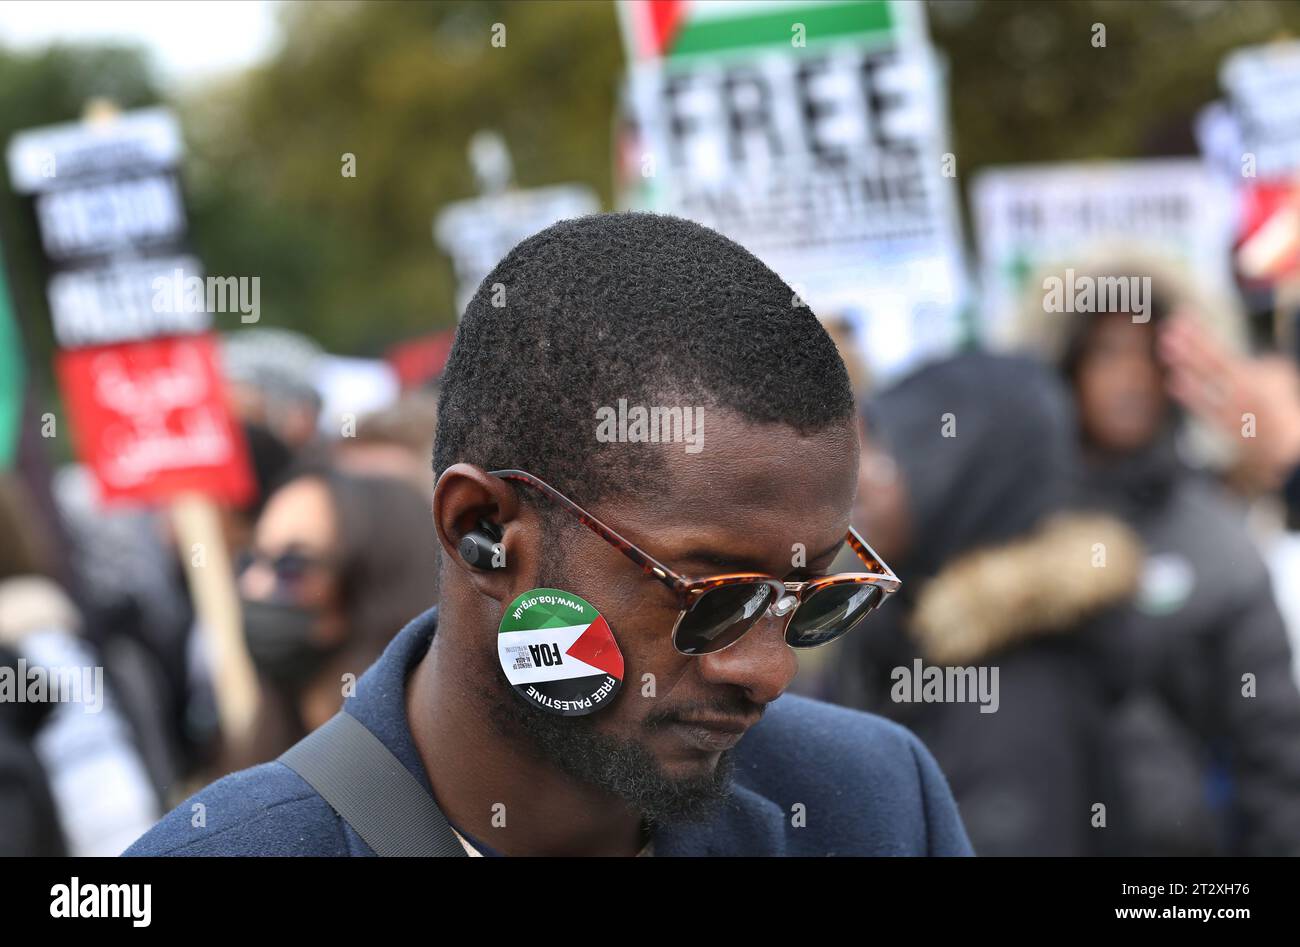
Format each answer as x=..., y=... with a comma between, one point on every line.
x=402, y=87
x=1026, y=83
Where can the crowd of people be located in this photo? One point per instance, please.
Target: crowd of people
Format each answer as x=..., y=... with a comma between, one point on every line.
x=1070, y=531
x=1049, y=512
x=332, y=556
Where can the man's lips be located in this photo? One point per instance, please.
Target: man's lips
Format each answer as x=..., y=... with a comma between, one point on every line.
x=712, y=734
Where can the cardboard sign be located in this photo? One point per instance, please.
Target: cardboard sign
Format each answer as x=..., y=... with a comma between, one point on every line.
x=1252, y=138
x=478, y=232
x=663, y=29
x=144, y=140
x=150, y=419
x=112, y=221
x=1268, y=250
x=1027, y=218
x=1263, y=88
x=138, y=368
x=814, y=136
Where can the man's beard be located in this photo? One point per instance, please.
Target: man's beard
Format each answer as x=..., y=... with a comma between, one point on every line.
x=623, y=767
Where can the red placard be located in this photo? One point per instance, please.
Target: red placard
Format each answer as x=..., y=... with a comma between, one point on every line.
x=151, y=420
x=421, y=360
x=1268, y=245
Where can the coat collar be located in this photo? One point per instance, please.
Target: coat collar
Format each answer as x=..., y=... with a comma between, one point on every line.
x=747, y=824
x=379, y=701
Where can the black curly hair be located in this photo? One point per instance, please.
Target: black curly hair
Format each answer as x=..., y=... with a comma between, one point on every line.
x=646, y=307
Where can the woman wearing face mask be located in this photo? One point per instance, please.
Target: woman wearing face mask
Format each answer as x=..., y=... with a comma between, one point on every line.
x=338, y=565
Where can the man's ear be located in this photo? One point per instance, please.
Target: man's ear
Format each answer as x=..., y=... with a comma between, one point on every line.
x=463, y=496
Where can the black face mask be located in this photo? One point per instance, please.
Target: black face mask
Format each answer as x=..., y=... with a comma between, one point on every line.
x=281, y=644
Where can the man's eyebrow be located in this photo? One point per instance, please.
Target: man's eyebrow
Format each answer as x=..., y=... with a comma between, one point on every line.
x=743, y=563
x=725, y=560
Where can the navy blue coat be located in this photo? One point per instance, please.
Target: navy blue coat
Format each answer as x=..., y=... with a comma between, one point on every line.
x=868, y=787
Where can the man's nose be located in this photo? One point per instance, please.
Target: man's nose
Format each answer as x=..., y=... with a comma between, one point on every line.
x=760, y=662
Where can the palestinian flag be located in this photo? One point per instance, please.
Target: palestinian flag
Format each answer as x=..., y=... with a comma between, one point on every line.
x=558, y=653
x=667, y=29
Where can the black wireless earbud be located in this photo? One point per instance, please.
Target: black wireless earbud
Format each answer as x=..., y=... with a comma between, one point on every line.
x=479, y=546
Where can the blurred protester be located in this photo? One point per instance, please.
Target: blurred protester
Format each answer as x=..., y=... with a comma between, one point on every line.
x=1259, y=397
x=339, y=564
x=139, y=617
x=966, y=483
x=396, y=441
x=1209, y=742
x=71, y=779
x=29, y=821
x=271, y=461
x=1225, y=390
x=844, y=334
x=271, y=381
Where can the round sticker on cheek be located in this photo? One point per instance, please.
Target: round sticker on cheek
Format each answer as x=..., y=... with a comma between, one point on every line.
x=558, y=653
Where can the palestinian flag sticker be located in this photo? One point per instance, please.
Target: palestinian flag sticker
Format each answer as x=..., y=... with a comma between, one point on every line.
x=559, y=653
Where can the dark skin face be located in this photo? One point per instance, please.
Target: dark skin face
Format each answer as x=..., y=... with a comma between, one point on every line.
x=1120, y=386
x=739, y=505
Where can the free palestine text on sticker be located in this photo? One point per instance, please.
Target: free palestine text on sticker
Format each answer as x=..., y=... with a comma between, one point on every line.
x=559, y=653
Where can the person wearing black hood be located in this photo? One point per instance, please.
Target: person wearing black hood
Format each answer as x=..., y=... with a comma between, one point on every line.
x=1209, y=740
x=968, y=472
x=29, y=821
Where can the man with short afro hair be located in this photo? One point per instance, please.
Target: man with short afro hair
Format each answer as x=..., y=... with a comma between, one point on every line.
x=645, y=307
x=700, y=559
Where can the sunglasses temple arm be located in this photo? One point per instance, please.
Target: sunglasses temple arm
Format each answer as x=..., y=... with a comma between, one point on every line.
x=869, y=555
x=648, y=563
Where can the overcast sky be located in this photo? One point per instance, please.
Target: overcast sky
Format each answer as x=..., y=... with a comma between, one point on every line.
x=188, y=39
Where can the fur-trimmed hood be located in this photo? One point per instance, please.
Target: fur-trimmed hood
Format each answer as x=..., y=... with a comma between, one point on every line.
x=1071, y=566
x=1176, y=288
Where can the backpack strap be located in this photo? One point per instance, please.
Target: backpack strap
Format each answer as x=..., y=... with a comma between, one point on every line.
x=371, y=790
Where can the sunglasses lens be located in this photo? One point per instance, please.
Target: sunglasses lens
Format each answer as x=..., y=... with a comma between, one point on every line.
x=291, y=566
x=721, y=616
x=829, y=613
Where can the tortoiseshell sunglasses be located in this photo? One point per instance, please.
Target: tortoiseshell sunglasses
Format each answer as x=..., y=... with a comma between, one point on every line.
x=717, y=611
